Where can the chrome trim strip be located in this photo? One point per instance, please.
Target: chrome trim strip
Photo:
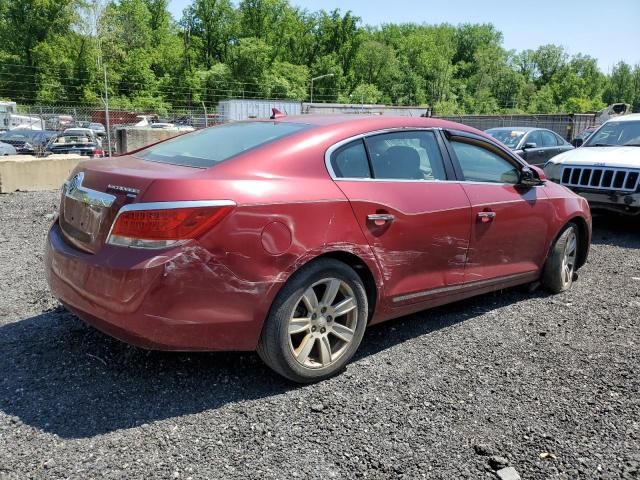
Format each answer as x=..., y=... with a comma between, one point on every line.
x=335, y=146
x=133, y=207
x=73, y=188
x=462, y=286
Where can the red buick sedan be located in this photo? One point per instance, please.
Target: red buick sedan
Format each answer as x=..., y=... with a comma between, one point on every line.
x=290, y=236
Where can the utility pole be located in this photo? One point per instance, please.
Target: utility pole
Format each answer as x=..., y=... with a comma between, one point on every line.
x=106, y=108
x=206, y=117
x=318, y=78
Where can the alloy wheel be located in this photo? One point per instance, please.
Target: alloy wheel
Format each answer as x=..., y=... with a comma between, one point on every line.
x=569, y=258
x=323, y=323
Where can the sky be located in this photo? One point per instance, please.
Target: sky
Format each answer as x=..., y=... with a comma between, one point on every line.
x=608, y=30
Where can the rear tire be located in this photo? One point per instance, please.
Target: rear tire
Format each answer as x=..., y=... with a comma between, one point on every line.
x=560, y=268
x=316, y=322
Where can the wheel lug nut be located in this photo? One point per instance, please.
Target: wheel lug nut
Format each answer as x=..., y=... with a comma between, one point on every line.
x=313, y=329
x=314, y=316
x=329, y=318
x=324, y=309
x=322, y=330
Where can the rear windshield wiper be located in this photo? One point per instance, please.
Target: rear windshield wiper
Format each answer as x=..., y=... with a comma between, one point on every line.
x=601, y=145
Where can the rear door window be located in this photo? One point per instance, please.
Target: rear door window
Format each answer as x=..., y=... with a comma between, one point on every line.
x=548, y=139
x=411, y=155
x=210, y=146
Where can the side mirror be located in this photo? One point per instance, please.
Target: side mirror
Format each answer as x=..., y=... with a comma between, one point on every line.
x=530, y=145
x=576, y=142
x=531, y=176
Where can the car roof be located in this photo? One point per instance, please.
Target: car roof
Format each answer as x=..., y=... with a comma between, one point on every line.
x=626, y=118
x=24, y=130
x=364, y=123
x=518, y=129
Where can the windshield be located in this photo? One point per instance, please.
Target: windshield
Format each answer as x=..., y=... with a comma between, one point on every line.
x=616, y=133
x=71, y=138
x=510, y=138
x=210, y=146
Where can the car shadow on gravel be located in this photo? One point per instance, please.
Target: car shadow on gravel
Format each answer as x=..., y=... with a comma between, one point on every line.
x=616, y=230
x=63, y=377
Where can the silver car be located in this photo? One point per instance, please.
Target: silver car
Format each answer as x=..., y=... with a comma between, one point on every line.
x=6, y=149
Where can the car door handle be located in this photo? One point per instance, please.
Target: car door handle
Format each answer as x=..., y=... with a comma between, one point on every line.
x=380, y=218
x=486, y=217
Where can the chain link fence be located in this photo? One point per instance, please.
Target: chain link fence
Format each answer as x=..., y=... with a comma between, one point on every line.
x=59, y=117
x=565, y=125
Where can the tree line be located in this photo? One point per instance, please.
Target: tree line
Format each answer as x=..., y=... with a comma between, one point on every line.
x=57, y=52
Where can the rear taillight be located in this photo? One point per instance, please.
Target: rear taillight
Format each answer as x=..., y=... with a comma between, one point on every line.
x=166, y=224
x=99, y=152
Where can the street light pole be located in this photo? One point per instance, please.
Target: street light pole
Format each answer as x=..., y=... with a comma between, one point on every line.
x=318, y=78
x=106, y=108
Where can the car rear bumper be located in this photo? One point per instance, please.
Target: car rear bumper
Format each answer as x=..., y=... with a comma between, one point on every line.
x=181, y=299
x=78, y=151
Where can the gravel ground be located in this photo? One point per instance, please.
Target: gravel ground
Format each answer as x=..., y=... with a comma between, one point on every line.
x=549, y=385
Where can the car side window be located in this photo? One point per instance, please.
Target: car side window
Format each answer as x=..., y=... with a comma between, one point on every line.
x=350, y=161
x=406, y=155
x=559, y=140
x=534, y=137
x=481, y=165
x=548, y=139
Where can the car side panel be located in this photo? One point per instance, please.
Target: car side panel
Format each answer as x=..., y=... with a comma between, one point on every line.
x=514, y=241
x=424, y=247
x=210, y=294
x=567, y=206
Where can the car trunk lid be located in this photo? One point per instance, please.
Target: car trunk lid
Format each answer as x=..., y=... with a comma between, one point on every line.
x=97, y=190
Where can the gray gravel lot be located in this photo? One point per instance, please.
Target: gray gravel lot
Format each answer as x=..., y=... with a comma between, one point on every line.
x=550, y=383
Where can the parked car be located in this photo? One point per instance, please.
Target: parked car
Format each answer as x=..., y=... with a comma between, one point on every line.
x=536, y=145
x=27, y=142
x=98, y=128
x=292, y=235
x=606, y=169
x=76, y=140
x=6, y=149
x=582, y=136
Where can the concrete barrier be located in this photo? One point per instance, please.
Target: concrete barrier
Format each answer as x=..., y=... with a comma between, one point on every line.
x=28, y=173
x=128, y=139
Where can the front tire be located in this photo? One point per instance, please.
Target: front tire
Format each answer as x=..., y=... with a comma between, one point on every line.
x=560, y=267
x=316, y=322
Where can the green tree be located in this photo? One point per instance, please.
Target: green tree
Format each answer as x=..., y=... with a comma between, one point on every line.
x=250, y=59
x=213, y=23
x=621, y=85
x=549, y=59
x=285, y=80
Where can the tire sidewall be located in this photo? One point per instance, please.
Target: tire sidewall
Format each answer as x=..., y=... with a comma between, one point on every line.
x=286, y=302
x=552, y=277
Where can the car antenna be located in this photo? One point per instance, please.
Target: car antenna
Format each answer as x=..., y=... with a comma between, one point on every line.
x=275, y=113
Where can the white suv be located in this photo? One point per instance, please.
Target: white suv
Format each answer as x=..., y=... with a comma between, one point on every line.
x=606, y=168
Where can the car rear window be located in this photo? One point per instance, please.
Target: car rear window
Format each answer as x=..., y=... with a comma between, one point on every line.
x=208, y=147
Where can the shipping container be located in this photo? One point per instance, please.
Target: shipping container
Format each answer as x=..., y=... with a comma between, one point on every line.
x=364, y=109
x=238, y=109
